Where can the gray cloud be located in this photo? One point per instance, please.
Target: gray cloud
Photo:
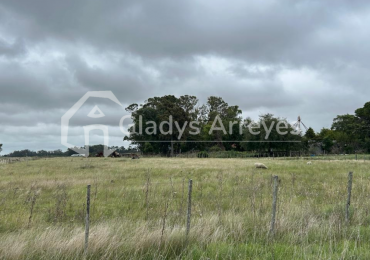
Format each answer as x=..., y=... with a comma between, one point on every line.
x=285, y=57
x=11, y=49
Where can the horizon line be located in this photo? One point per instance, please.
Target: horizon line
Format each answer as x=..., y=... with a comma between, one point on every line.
x=156, y=141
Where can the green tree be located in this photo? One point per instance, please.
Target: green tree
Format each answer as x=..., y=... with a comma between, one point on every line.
x=183, y=110
x=215, y=112
x=326, y=137
x=148, y=148
x=363, y=115
x=348, y=124
x=327, y=144
x=273, y=141
x=310, y=134
x=157, y=110
x=352, y=132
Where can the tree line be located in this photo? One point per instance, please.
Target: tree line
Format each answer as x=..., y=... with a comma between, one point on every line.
x=348, y=134
x=93, y=150
x=180, y=124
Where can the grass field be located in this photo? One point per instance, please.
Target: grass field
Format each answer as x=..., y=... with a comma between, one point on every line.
x=138, y=209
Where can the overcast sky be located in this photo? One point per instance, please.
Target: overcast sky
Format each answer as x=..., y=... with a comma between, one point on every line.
x=286, y=57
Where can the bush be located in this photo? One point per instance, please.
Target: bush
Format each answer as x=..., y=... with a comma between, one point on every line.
x=203, y=154
x=215, y=148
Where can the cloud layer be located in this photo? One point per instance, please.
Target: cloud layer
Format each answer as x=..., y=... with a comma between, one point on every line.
x=290, y=58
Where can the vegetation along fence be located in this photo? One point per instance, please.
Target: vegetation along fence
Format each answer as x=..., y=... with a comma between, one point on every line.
x=261, y=199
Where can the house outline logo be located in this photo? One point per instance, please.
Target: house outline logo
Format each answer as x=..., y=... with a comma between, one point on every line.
x=73, y=110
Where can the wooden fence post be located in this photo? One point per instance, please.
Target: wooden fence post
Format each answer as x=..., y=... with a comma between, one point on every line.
x=87, y=221
x=147, y=196
x=349, y=187
x=189, y=208
x=274, y=202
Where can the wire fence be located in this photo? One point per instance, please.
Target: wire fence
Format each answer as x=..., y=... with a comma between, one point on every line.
x=151, y=200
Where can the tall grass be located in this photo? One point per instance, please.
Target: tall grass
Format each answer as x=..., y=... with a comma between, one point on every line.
x=138, y=209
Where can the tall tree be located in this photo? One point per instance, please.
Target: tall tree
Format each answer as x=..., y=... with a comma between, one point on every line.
x=260, y=140
x=162, y=121
x=310, y=134
x=183, y=110
x=215, y=112
x=363, y=115
x=348, y=124
x=352, y=132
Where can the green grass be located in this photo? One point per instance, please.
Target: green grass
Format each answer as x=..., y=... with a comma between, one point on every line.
x=231, y=209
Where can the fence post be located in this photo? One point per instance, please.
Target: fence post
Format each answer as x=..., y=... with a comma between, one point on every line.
x=350, y=174
x=87, y=221
x=274, y=201
x=147, y=196
x=189, y=208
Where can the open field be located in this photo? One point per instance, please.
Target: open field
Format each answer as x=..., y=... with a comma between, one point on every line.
x=138, y=209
